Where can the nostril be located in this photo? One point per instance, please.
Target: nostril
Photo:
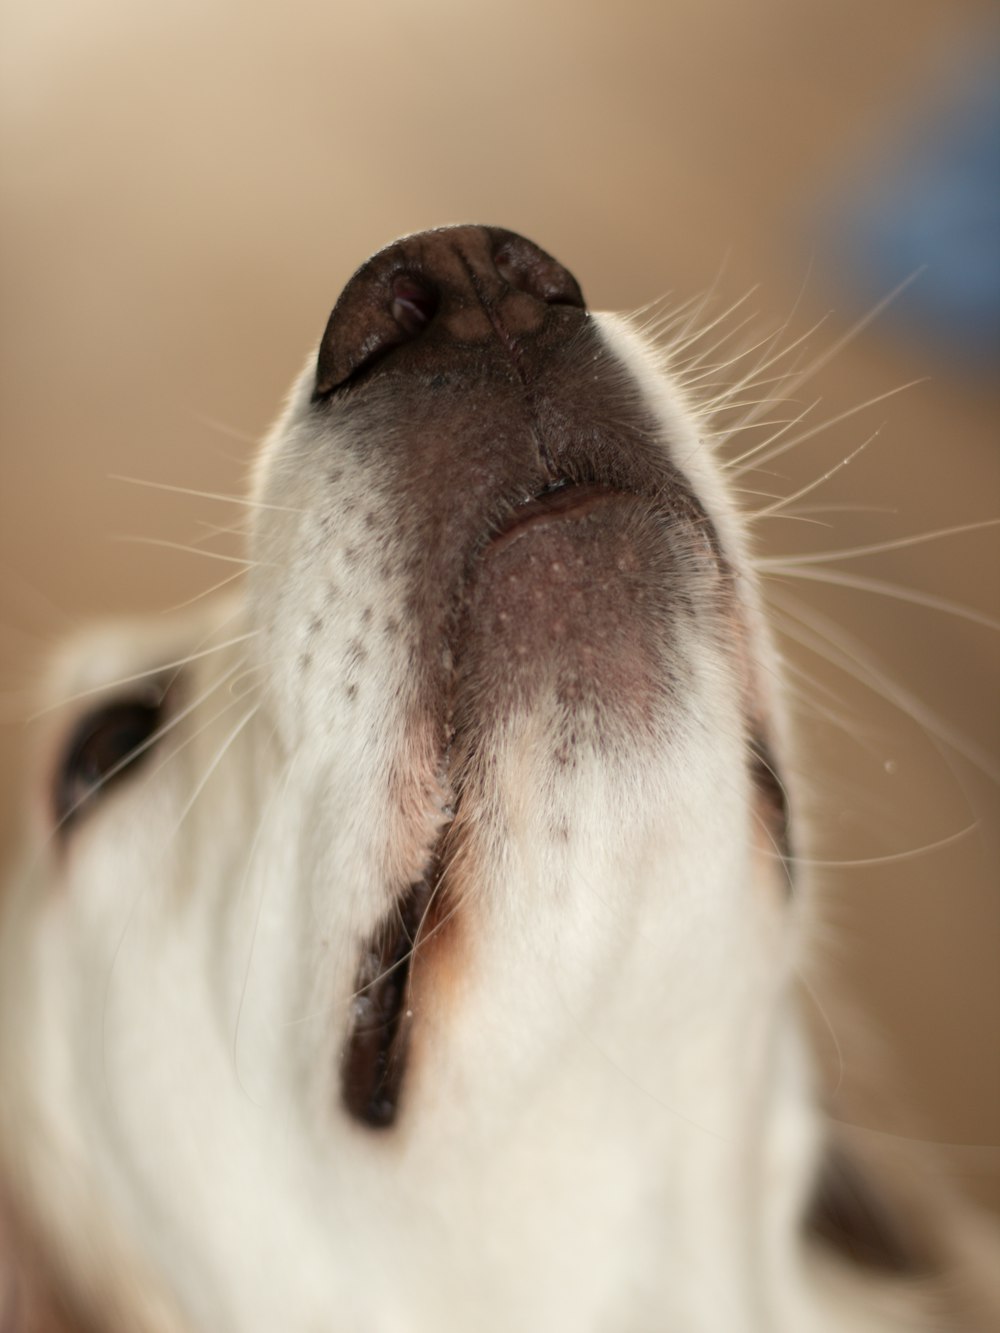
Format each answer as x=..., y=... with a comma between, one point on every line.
x=372, y=318
x=413, y=304
x=530, y=270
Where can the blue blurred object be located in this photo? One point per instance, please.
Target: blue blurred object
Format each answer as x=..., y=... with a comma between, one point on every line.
x=934, y=206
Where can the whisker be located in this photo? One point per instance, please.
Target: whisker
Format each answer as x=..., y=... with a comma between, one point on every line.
x=700, y=304
x=220, y=754
x=145, y=675
x=888, y=858
x=685, y=370
x=223, y=428
x=646, y=317
x=988, y=1150
x=740, y=465
x=843, y=651
x=151, y=740
x=808, y=704
x=837, y=711
x=784, y=427
x=210, y=530
x=850, y=334
x=203, y=495
x=882, y=588
x=839, y=509
x=725, y=433
x=280, y=787
x=820, y=1008
x=680, y=345
x=875, y=548
x=753, y=377
x=206, y=592
x=13, y=706
x=187, y=549
x=814, y=485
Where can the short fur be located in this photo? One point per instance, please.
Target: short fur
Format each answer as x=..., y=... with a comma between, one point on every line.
x=498, y=695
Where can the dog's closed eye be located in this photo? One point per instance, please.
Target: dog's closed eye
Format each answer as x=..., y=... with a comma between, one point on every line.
x=105, y=745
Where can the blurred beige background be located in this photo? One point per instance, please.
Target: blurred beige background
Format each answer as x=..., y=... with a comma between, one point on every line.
x=185, y=189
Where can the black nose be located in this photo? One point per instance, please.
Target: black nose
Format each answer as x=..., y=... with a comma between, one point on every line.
x=461, y=283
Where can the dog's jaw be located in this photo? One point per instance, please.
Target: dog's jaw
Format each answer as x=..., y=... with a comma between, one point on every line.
x=605, y=903
x=498, y=553
x=600, y=1068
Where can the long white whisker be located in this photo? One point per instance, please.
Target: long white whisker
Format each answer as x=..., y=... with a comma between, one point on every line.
x=838, y=509
x=220, y=754
x=207, y=592
x=813, y=485
x=280, y=786
x=754, y=377
x=686, y=371
x=840, y=863
x=681, y=344
x=894, y=590
x=151, y=740
x=784, y=428
x=188, y=550
x=647, y=317
x=988, y=1150
x=857, y=328
x=145, y=675
x=224, y=428
x=843, y=651
x=828, y=1024
x=741, y=464
x=874, y=548
x=154, y=739
x=203, y=495
x=699, y=305
x=210, y=530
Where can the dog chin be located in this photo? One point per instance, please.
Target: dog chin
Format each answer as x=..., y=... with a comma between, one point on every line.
x=406, y=943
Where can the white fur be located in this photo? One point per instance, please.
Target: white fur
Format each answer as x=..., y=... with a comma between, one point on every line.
x=609, y=1126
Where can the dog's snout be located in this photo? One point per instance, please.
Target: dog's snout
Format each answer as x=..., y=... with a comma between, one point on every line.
x=453, y=284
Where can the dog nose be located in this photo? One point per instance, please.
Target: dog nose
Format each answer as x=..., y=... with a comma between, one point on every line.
x=460, y=284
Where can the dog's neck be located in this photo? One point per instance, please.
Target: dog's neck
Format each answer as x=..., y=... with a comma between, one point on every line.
x=636, y=1093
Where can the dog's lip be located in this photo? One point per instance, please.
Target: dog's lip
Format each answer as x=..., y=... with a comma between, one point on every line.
x=560, y=499
x=374, y=1056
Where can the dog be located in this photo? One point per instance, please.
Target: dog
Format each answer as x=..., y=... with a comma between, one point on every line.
x=410, y=942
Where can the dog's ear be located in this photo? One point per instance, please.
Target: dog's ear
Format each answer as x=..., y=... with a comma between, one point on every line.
x=852, y=1213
